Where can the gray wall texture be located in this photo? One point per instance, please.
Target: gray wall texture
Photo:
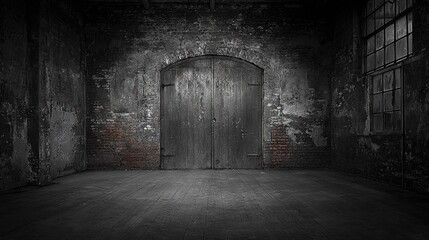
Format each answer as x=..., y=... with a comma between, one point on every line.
x=382, y=157
x=128, y=46
x=42, y=91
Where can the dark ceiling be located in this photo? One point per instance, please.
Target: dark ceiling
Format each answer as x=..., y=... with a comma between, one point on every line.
x=216, y=1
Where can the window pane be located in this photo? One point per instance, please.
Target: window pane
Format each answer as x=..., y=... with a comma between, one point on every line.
x=379, y=40
x=370, y=24
x=377, y=103
x=401, y=28
x=410, y=22
x=401, y=5
x=370, y=45
x=379, y=56
x=410, y=43
x=389, y=11
x=379, y=18
x=388, y=80
x=398, y=81
x=401, y=48
x=410, y=3
x=388, y=101
x=390, y=33
x=378, y=3
x=377, y=84
x=369, y=7
x=390, y=53
x=398, y=121
x=397, y=99
x=377, y=122
x=388, y=121
x=370, y=62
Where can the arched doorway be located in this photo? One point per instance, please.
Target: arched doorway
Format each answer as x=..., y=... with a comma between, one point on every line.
x=211, y=114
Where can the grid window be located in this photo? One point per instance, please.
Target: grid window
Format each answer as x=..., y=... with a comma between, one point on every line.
x=386, y=99
x=388, y=33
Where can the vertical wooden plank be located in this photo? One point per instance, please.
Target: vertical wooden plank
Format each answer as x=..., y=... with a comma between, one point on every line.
x=224, y=129
x=166, y=114
x=237, y=109
x=252, y=116
x=186, y=124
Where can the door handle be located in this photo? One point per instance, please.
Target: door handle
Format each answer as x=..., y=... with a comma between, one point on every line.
x=214, y=120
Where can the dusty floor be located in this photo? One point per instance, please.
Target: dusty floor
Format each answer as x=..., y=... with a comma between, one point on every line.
x=225, y=204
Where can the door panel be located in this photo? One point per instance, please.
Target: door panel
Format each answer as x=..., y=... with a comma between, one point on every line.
x=211, y=114
x=237, y=109
x=186, y=95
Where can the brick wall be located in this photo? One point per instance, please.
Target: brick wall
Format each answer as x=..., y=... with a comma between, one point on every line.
x=128, y=45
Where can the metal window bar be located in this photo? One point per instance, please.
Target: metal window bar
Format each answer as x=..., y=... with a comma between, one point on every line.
x=407, y=13
x=395, y=112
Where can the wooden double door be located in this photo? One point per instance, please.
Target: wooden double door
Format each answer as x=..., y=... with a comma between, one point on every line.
x=211, y=114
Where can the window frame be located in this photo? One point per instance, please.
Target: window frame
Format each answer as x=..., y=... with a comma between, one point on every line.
x=407, y=13
x=371, y=94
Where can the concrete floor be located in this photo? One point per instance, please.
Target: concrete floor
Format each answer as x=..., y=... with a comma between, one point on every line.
x=226, y=204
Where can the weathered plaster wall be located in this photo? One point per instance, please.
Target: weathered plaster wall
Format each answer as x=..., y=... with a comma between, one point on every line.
x=62, y=89
x=417, y=104
x=128, y=45
x=14, y=147
x=354, y=148
x=42, y=92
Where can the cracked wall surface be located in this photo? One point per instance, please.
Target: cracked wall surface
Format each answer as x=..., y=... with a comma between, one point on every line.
x=128, y=45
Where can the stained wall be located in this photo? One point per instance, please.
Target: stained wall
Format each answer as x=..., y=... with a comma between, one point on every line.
x=399, y=158
x=128, y=45
x=42, y=92
x=14, y=147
